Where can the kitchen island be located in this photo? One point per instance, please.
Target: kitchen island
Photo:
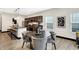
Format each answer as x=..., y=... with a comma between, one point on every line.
x=17, y=32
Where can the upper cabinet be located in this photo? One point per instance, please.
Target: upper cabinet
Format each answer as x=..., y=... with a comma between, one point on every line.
x=37, y=19
x=33, y=22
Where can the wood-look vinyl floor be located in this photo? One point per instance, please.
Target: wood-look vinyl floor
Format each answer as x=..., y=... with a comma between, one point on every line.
x=7, y=44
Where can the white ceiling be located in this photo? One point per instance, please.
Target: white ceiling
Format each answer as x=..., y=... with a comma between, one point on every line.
x=22, y=11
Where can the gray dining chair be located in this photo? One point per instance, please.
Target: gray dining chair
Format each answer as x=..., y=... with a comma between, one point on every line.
x=51, y=39
x=25, y=39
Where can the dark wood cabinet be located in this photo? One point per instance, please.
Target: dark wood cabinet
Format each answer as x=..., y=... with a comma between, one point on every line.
x=38, y=19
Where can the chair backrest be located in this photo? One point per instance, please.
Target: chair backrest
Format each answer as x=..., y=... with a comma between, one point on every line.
x=42, y=33
x=52, y=34
x=25, y=37
x=39, y=28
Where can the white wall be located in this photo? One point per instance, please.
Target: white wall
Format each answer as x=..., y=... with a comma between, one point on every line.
x=55, y=12
x=0, y=23
x=7, y=21
x=20, y=20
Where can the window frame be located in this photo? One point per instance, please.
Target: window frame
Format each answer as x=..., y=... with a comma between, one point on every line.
x=72, y=17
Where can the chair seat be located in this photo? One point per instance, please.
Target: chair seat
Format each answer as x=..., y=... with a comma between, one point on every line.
x=50, y=40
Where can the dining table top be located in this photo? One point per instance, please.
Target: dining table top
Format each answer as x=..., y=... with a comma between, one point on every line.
x=31, y=34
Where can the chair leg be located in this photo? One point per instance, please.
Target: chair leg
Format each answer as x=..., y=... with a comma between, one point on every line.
x=23, y=44
x=46, y=47
x=54, y=46
x=31, y=47
x=11, y=36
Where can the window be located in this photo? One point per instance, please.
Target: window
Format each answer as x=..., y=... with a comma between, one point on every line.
x=75, y=22
x=49, y=22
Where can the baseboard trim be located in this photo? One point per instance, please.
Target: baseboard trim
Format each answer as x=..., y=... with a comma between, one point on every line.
x=66, y=38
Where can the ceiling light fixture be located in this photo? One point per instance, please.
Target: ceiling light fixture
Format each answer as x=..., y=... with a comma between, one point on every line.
x=18, y=13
